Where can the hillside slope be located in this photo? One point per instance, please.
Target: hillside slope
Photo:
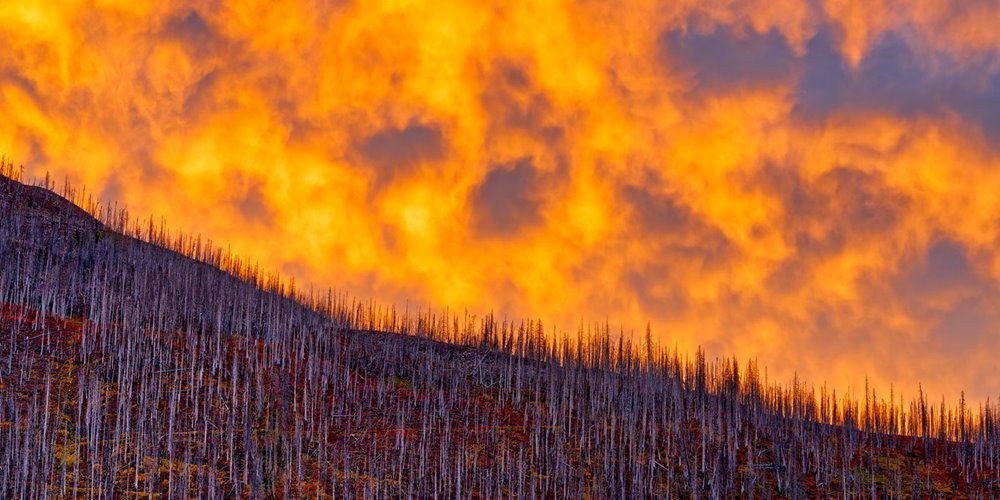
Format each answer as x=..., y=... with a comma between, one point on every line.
x=136, y=369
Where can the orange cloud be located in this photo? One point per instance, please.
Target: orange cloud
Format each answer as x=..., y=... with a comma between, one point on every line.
x=810, y=184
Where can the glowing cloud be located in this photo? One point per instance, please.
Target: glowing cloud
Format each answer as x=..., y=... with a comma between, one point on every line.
x=813, y=184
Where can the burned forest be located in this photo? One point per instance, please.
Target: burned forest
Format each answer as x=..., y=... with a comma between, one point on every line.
x=137, y=363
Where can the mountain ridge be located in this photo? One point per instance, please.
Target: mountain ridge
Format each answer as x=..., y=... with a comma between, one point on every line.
x=120, y=352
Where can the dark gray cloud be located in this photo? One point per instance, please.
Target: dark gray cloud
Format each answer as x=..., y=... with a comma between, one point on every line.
x=944, y=270
x=725, y=58
x=398, y=151
x=896, y=79
x=193, y=31
x=846, y=201
x=942, y=289
x=893, y=76
x=513, y=102
x=139, y=166
x=656, y=214
x=856, y=201
x=842, y=208
x=249, y=199
x=188, y=26
x=219, y=64
x=681, y=241
x=981, y=104
x=655, y=287
x=819, y=88
x=508, y=199
x=200, y=96
x=673, y=227
x=966, y=328
x=16, y=78
x=890, y=78
x=945, y=266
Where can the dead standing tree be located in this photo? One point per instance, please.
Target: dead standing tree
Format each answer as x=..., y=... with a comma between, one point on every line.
x=137, y=361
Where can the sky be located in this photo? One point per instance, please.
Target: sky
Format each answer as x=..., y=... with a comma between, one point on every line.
x=813, y=184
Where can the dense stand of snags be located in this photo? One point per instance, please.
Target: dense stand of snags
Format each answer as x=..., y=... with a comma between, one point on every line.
x=136, y=363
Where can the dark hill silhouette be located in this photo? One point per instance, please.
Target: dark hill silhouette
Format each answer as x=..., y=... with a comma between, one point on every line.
x=135, y=363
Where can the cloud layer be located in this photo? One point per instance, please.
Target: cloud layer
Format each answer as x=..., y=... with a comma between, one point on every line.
x=811, y=183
